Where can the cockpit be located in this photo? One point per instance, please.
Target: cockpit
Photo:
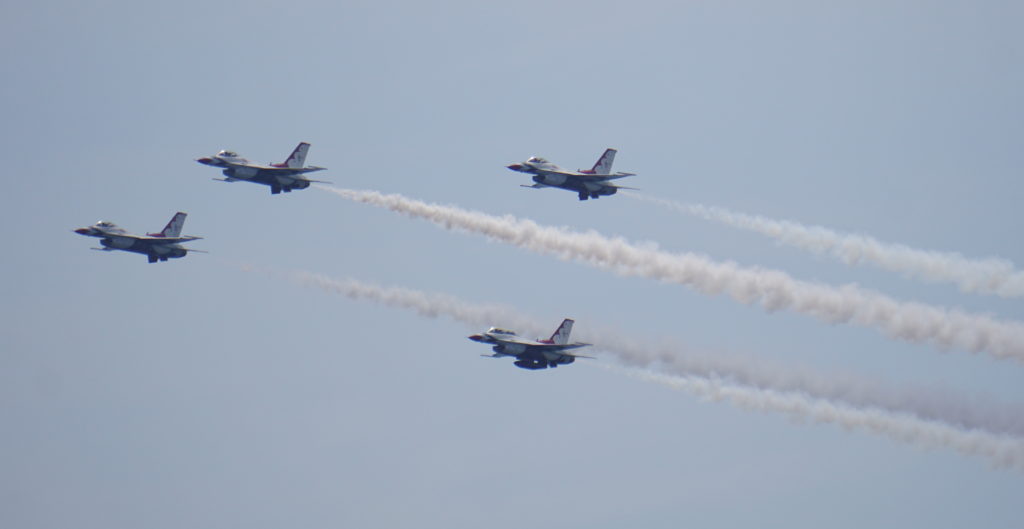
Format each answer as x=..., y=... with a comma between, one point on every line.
x=228, y=154
x=105, y=224
x=536, y=159
x=495, y=330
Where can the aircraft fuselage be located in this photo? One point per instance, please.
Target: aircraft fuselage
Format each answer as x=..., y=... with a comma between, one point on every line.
x=278, y=176
x=155, y=246
x=592, y=183
x=529, y=354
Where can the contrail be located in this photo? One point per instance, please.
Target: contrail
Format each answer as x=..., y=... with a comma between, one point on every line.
x=913, y=322
x=1003, y=451
x=959, y=428
x=981, y=276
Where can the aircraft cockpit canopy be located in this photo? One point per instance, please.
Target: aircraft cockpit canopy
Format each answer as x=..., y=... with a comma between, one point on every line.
x=495, y=330
x=105, y=224
x=537, y=159
x=229, y=154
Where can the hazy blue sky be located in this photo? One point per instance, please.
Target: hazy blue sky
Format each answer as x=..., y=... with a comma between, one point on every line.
x=198, y=393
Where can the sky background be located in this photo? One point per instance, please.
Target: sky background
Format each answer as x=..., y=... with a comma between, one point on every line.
x=196, y=393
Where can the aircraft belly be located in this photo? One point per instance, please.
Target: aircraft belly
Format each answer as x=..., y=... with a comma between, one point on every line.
x=513, y=349
x=554, y=179
x=163, y=249
x=556, y=356
x=244, y=172
x=121, y=243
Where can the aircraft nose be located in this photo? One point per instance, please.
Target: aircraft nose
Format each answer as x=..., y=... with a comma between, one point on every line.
x=515, y=167
x=476, y=338
x=82, y=231
x=206, y=161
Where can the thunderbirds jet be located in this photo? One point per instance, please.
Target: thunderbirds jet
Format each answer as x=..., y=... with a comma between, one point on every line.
x=157, y=246
x=279, y=176
x=589, y=183
x=530, y=354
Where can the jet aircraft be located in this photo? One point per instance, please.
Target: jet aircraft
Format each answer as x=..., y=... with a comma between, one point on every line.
x=283, y=176
x=531, y=354
x=157, y=246
x=589, y=183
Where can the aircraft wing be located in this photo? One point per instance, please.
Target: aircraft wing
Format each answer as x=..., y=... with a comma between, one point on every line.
x=166, y=240
x=562, y=348
x=603, y=177
x=285, y=170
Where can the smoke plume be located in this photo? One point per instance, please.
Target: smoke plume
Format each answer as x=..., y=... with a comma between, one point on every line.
x=929, y=419
x=981, y=276
x=774, y=290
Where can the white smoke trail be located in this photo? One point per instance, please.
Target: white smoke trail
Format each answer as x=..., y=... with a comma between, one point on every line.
x=980, y=276
x=774, y=290
x=1003, y=451
x=962, y=429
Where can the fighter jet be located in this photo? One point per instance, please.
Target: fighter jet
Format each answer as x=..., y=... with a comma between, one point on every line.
x=157, y=246
x=530, y=354
x=283, y=176
x=589, y=183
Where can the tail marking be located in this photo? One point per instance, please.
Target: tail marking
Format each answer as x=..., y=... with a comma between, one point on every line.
x=297, y=159
x=173, y=228
x=561, y=335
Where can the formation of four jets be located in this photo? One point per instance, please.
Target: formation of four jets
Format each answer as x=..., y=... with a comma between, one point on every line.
x=290, y=174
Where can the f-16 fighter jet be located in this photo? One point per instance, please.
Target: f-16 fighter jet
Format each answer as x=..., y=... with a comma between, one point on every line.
x=530, y=354
x=589, y=183
x=157, y=246
x=283, y=176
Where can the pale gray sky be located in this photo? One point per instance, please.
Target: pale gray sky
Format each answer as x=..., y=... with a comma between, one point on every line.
x=196, y=393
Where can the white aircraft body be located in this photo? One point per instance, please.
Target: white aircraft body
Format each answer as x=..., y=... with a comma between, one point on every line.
x=283, y=176
x=530, y=354
x=157, y=246
x=589, y=183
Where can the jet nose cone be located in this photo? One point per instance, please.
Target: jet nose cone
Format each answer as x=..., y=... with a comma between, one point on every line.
x=205, y=161
x=515, y=167
x=82, y=231
x=476, y=338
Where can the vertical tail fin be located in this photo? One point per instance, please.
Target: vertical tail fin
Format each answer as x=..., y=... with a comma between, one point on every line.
x=561, y=335
x=604, y=163
x=297, y=158
x=173, y=228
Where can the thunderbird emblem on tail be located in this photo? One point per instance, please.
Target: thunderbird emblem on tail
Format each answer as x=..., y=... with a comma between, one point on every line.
x=531, y=354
